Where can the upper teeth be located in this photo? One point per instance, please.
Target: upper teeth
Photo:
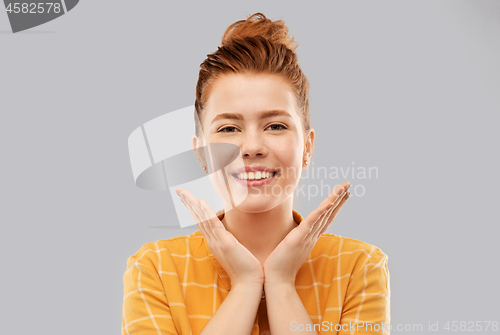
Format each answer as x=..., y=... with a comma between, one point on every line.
x=253, y=176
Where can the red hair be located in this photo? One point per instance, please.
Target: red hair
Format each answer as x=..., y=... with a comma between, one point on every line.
x=252, y=46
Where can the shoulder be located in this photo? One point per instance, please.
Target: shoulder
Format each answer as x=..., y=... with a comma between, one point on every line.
x=161, y=252
x=350, y=254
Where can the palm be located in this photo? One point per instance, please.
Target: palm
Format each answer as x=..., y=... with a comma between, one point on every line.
x=286, y=253
x=287, y=258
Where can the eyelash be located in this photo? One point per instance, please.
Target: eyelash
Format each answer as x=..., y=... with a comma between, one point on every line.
x=274, y=124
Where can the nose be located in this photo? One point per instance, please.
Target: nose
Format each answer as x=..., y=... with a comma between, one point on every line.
x=253, y=145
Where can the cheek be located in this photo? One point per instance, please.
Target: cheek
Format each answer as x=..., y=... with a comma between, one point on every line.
x=289, y=154
x=289, y=157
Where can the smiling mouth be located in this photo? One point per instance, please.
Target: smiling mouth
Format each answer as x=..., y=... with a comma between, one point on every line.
x=254, y=176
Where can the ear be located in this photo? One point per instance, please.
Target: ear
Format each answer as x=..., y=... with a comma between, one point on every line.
x=199, y=152
x=308, y=147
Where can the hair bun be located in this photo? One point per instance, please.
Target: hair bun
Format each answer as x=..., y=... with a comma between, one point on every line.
x=258, y=25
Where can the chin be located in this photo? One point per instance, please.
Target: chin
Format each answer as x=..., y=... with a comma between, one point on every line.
x=258, y=204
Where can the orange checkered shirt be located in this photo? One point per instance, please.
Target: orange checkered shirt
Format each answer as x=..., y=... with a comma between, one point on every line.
x=174, y=286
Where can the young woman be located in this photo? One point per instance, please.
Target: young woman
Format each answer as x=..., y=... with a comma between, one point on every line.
x=258, y=267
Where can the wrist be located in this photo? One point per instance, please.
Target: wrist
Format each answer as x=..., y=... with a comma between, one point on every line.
x=247, y=289
x=281, y=284
x=279, y=291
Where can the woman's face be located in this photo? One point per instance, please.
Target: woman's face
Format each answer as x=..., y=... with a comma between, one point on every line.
x=258, y=114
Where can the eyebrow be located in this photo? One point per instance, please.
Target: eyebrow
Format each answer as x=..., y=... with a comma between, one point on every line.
x=261, y=115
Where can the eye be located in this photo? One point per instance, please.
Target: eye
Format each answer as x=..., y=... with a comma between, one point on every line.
x=279, y=125
x=222, y=130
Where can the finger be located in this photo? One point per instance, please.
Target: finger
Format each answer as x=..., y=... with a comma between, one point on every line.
x=212, y=222
x=339, y=207
x=323, y=206
x=340, y=198
x=313, y=219
x=332, y=199
x=192, y=205
x=203, y=230
x=336, y=193
x=199, y=223
x=317, y=231
x=339, y=193
x=195, y=217
x=195, y=206
x=186, y=203
x=203, y=219
x=325, y=221
x=320, y=222
x=334, y=213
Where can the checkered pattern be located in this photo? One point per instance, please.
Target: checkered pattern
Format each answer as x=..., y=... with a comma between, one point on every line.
x=174, y=286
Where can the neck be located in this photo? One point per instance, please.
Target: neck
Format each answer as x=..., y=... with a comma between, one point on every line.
x=261, y=232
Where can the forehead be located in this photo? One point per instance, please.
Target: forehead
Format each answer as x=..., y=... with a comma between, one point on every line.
x=249, y=95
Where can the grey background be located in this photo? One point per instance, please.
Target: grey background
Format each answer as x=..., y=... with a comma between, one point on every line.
x=408, y=87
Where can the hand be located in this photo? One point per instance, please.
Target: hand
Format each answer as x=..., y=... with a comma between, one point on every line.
x=284, y=262
x=239, y=263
